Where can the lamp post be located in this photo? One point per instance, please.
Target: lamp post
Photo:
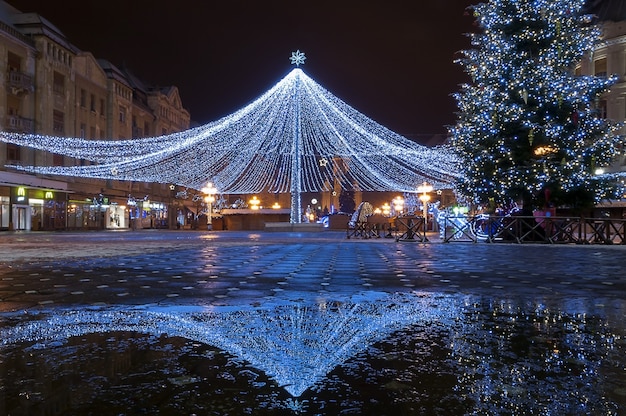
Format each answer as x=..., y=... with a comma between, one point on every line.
x=398, y=205
x=386, y=209
x=209, y=190
x=254, y=203
x=424, y=189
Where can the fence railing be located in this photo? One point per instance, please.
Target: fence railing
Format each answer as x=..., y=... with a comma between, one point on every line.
x=533, y=229
x=403, y=228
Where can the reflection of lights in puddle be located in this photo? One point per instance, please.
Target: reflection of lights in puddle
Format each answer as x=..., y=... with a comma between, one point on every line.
x=295, y=344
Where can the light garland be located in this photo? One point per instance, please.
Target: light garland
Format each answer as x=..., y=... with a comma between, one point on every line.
x=524, y=97
x=295, y=127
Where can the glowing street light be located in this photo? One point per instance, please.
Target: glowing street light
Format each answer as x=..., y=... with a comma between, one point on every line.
x=398, y=205
x=254, y=203
x=386, y=209
x=210, y=191
x=424, y=189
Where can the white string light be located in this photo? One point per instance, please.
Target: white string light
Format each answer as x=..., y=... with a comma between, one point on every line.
x=252, y=150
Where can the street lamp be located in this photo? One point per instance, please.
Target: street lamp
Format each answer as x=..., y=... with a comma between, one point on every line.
x=254, y=202
x=386, y=209
x=209, y=190
x=398, y=205
x=424, y=189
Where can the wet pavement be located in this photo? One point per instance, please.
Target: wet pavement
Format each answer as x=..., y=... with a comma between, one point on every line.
x=494, y=328
x=164, y=267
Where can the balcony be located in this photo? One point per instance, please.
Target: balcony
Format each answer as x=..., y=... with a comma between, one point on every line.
x=20, y=83
x=19, y=124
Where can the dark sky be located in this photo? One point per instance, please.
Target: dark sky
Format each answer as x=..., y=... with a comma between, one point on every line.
x=392, y=61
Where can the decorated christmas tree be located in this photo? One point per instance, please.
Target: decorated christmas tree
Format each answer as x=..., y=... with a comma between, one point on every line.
x=529, y=130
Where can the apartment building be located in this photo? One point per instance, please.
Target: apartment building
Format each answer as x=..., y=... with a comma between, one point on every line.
x=50, y=87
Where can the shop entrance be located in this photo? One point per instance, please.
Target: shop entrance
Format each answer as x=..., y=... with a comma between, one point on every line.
x=21, y=217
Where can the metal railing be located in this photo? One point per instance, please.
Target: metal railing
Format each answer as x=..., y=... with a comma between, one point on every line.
x=403, y=228
x=534, y=229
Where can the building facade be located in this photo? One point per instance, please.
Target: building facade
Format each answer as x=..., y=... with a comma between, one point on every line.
x=609, y=58
x=50, y=87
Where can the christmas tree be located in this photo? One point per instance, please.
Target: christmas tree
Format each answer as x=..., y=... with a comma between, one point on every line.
x=529, y=129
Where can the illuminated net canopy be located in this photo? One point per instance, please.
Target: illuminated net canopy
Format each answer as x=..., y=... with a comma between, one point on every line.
x=295, y=137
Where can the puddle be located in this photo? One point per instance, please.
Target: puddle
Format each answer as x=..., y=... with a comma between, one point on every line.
x=370, y=353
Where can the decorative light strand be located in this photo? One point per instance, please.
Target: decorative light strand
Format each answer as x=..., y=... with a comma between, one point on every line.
x=250, y=151
x=527, y=124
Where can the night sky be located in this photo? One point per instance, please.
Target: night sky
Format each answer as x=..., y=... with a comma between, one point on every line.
x=392, y=61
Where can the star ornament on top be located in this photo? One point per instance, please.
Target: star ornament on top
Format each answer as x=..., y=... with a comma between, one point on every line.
x=297, y=58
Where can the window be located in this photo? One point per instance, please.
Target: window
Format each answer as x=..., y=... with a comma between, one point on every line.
x=13, y=152
x=14, y=62
x=4, y=211
x=602, y=109
x=57, y=160
x=58, y=84
x=600, y=67
x=102, y=106
x=122, y=114
x=58, y=122
x=92, y=103
x=83, y=98
x=83, y=129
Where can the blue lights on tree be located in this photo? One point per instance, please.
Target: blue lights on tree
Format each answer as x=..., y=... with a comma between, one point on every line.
x=528, y=129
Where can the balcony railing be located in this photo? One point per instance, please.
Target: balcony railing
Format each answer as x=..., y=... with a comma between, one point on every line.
x=20, y=124
x=20, y=82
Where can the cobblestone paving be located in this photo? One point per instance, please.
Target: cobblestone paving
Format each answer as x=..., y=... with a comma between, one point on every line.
x=222, y=268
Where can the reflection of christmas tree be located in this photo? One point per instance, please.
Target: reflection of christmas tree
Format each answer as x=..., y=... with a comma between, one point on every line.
x=528, y=129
